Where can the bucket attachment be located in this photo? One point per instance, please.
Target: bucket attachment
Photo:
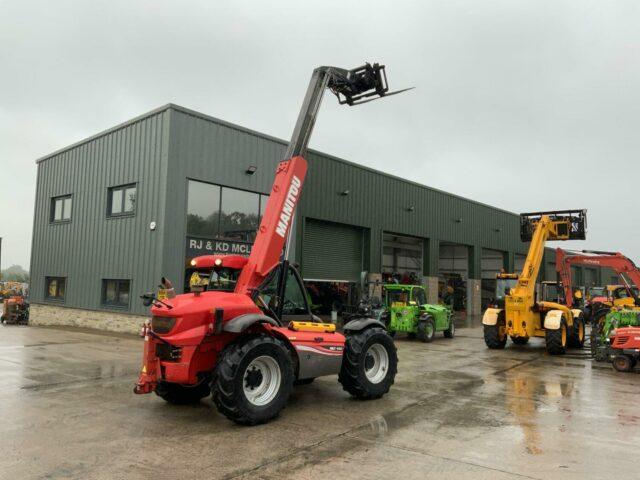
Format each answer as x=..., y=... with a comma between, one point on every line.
x=354, y=87
x=570, y=224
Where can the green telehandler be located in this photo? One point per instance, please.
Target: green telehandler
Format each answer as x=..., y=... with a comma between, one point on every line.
x=406, y=310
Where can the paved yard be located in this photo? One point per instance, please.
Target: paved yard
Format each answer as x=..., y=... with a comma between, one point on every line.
x=457, y=410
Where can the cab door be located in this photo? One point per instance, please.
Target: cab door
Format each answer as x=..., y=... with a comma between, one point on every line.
x=295, y=306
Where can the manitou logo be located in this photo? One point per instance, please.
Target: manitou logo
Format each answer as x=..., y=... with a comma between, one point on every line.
x=288, y=207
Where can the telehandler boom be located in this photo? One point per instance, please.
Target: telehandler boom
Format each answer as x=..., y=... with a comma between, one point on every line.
x=523, y=315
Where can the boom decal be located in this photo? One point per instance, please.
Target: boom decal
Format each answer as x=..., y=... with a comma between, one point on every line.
x=289, y=207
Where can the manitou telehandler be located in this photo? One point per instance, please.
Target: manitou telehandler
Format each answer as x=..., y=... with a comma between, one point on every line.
x=605, y=317
x=524, y=316
x=251, y=335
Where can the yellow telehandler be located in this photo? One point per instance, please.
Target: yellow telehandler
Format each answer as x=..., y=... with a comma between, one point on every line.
x=524, y=315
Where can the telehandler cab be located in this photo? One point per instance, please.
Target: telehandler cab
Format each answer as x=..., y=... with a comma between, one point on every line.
x=523, y=315
x=251, y=335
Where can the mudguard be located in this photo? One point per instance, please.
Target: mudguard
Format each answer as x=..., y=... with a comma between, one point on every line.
x=362, y=323
x=490, y=316
x=242, y=322
x=553, y=319
x=577, y=313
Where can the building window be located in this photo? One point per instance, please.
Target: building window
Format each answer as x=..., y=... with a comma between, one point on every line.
x=122, y=200
x=61, y=209
x=222, y=212
x=115, y=293
x=55, y=288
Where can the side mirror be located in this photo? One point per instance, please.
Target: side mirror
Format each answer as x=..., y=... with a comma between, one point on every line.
x=147, y=299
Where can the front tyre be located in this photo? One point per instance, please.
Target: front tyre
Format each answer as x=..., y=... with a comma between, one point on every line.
x=177, y=394
x=494, y=337
x=451, y=331
x=426, y=329
x=577, y=337
x=253, y=380
x=623, y=363
x=369, y=363
x=556, y=340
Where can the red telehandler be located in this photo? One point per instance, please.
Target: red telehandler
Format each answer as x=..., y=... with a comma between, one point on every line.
x=250, y=336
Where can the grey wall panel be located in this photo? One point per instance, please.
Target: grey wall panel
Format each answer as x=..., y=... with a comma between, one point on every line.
x=92, y=247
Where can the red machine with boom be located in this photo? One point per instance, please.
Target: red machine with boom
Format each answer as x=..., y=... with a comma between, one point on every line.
x=623, y=266
x=251, y=335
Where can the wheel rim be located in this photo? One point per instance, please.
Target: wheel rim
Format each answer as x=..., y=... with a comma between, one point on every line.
x=621, y=363
x=429, y=329
x=261, y=380
x=452, y=328
x=376, y=363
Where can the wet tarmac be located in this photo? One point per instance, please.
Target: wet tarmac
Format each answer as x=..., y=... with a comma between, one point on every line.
x=457, y=410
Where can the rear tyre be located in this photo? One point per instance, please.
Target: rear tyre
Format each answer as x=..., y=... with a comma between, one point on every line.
x=426, y=329
x=520, y=340
x=597, y=324
x=451, y=331
x=177, y=394
x=369, y=364
x=253, y=380
x=557, y=339
x=623, y=363
x=577, y=337
x=493, y=338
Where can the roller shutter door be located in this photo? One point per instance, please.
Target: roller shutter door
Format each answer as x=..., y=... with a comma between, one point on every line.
x=331, y=251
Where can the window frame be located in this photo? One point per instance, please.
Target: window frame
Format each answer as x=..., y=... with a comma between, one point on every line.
x=121, y=189
x=103, y=294
x=56, y=299
x=262, y=199
x=52, y=209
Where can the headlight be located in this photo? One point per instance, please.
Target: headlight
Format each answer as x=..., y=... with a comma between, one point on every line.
x=162, y=324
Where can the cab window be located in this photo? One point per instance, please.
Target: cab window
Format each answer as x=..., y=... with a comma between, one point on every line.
x=295, y=302
x=269, y=291
x=419, y=297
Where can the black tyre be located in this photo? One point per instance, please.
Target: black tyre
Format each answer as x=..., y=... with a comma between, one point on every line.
x=426, y=329
x=451, y=331
x=520, y=340
x=493, y=338
x=369, y=364
x=556, y=340
x=253, y=380
x=392, y=333
x=177, y=394
x=411, y=335
x=577, y=336
x=623, y=363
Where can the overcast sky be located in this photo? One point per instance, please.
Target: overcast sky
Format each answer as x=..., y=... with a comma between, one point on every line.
x=525, y=105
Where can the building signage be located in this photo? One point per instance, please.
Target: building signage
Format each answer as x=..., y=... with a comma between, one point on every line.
x=197, y=246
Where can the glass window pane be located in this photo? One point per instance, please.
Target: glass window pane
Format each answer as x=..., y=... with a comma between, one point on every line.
x=110, y=293
x=239, y=215
x=130, y=199
x=203, y=209
x=123, y=293
x=66, y=215
x=294, y=301
x=116, y=201
x=61, y=287
x=57, y=215
x=53, y=287
x=263, y=205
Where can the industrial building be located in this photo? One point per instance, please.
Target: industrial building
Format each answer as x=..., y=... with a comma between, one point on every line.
x=117, y=211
